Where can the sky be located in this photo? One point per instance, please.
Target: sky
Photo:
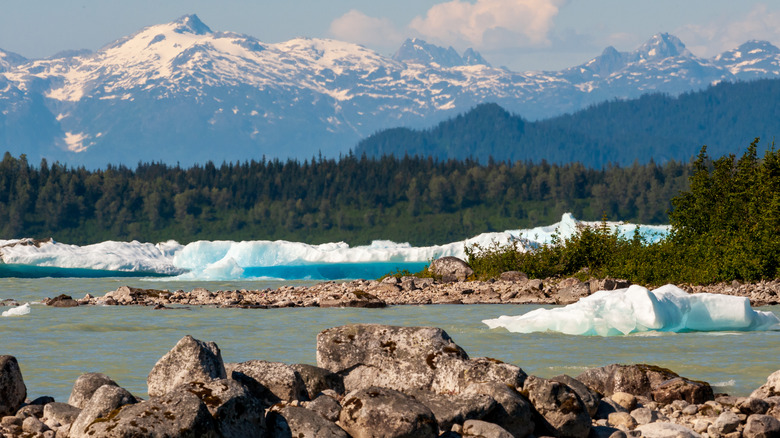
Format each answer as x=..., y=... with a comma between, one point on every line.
x=519, y=34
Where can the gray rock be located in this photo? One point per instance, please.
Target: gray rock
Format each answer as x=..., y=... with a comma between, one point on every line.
x=283, y=382
x=236, y=411
x=607, y=406
x=727, y=422
x=13, y=391
x=589, y=397
x=293, y=421
x=105, y=402
x=62, y=413
x=573, y=293
x=382, y=412
x=562, y=411
x=30, y=411
x=178, y=414
x=656, y=383
x=85, y=386
x=355, y=298
x=190, y=360
x=666, y=430
x=644, y=415
x=33, y=425
x=483, y=429
x=769, y=389
x=401, y=358
x=761, y=426
x=326, y=406
x=513, y=411
x=455, y=409
x=319, y=379
x=752, y=405
x=451, y=268
x=513, y=276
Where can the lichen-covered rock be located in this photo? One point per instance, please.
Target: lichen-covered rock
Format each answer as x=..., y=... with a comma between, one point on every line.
x=319, y=379
x=403, y=357
x=562, y=412
x=512, y=412
x=178, y=414
x=85, y=386
x=383, y=412
x=656, y=383
x=283, y=382
x=292, y=421
x=105, y=400
x=769, y=389
x=190, y=360
x=455, y=409
x=326, y=406
x=483, y=429
x=236, y=411
x=451, y=269
x=761, y=426
x=13, y=391
x=589, y=397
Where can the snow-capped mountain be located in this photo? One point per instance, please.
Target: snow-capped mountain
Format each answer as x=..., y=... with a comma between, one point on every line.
x=180, y=92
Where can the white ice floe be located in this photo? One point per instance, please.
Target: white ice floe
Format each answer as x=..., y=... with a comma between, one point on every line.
x=637, y=309
x=24, y=309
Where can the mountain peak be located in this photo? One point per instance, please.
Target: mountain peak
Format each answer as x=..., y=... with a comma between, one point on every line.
x=472, y=57
x=419, y=51
x=660, y=46
x=191, y=24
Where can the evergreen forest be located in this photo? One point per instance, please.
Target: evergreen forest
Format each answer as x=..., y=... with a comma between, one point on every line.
x=653, y=127
x=355, y=199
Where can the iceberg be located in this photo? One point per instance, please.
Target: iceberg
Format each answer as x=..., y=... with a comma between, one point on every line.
x=24, y=309
x=229, y=260
x=637, y=309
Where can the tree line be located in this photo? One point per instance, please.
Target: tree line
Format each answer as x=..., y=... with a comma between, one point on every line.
x=354, y=199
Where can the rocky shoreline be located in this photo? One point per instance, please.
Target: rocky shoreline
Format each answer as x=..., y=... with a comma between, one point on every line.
x=385, y=381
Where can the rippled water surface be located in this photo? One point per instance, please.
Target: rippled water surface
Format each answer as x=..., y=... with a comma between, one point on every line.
x=55, y=345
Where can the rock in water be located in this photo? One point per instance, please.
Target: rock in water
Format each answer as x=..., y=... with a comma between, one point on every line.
x=382, y=412
x=190, y=360
x=12, y=388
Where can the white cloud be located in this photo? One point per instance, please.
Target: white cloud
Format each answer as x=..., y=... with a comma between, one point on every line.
x=357, y=27
x=760, y=23
x=489, y=23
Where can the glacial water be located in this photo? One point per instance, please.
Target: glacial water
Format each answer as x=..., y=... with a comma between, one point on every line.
x=55, y=345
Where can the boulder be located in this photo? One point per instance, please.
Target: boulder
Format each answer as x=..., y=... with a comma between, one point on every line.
x=483, y=429
x=625, y=400
x=512, y=412
x=561, y=412
x=752, y=405
x=62, y=413
x=190, y=360
x=726, y=422
x=85, y=386
x=105, y=401
x=61, y=301
x=769, y=389
x=589, y=397
x=281, y=380
x=761, y=426
x=573, y=293
x=451, y=269
x=34, y=426
x=645, y=415
x=294, y=421
x=666, y=430
x=513, y=276
x=319, y=379
x=383, y=412
x=178, y=414
x=656, y=383
x=326, y=406
x=397, y=357
x=455, y=409
x=621, y=420
x=13, y=391
x=236, y=411
x=607, y=406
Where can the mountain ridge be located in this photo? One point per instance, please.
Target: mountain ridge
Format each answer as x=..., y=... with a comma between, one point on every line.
x=181, y=92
